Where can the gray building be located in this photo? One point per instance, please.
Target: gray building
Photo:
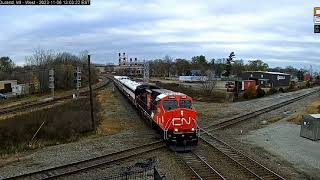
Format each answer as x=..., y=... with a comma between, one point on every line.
x=268, y=79
x=310, y=127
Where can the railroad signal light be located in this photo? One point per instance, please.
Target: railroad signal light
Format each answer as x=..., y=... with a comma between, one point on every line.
x=317, y=28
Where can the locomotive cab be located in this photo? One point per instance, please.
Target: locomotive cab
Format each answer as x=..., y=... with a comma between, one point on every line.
x=174, y=114
x=171, y=112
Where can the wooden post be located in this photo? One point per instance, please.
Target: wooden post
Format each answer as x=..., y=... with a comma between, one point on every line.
x=91, y=100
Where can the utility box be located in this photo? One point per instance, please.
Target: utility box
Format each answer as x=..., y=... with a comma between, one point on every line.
x=20, y=89
x=310, y=127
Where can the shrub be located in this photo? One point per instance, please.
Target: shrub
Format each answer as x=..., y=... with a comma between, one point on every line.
x=250, y=93
x=292, y=85
x=260, y=92
x=281, y=90
x=63, y=123
x=308, y=84
x=272, y=91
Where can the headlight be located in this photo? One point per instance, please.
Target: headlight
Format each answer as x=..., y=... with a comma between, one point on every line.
x=176, y=130
x=192, y=129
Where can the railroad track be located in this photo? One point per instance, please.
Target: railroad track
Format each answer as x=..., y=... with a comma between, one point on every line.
x=238, y=119
x=199, y=168
x=252, y=167
x=86, y=165
x=35, y=104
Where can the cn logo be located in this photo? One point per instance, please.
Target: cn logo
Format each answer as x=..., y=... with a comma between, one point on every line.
x=181, y=121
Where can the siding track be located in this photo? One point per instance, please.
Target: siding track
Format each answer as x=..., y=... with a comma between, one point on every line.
x=85, y=165
x=235, y=120
x=37, y=104
x=257, y=170
x=198, y=166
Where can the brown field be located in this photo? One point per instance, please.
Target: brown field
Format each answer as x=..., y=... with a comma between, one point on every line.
x=64, y=122
x=313, y=108
x=114, y=115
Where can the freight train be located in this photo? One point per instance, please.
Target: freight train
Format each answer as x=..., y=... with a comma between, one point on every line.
x=171, y=112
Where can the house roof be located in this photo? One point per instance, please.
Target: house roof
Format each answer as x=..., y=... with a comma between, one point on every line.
x=266, y=72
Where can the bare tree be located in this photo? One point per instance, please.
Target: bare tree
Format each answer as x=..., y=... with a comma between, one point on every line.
x=208, y=83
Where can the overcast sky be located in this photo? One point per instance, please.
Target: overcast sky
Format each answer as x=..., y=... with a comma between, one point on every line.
x=279, y=32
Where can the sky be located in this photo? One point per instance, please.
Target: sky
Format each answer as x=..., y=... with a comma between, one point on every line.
x=279, y=32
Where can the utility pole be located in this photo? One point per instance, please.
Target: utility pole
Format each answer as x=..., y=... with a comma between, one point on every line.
x=90, y=88
x=51, y=81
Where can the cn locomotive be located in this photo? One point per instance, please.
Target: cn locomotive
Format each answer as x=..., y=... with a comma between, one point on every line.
x=171, y=112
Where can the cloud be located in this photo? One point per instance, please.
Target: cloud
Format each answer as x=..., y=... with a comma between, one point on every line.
x=275, y=31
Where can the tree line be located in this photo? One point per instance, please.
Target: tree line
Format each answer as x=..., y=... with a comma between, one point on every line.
x=221, y=67
x=37, y=66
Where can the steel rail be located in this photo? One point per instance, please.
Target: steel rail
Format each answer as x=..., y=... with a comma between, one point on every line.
x=235, y=120
x=33, y=104
x=199, y=167
x=253, y=167
x=88, y=164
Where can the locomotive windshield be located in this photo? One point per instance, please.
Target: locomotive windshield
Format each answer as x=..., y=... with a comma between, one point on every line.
x=185, y=104
x=173, y=104
x=170, y=105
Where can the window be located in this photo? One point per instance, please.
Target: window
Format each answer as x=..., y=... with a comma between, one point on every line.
x=185, y=104
x=170, y=105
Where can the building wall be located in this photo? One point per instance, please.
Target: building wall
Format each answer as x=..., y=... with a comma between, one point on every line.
x=134, y=70
x=3, y=84
x=277, y=80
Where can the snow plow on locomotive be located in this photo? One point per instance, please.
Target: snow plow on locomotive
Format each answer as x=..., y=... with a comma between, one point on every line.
x=171, y=112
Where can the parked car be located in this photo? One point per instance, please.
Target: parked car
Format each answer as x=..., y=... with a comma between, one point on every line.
x=2, y=96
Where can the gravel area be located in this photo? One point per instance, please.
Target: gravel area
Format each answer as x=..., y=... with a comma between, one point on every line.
x=53, y=156
x=236, y=137
x=121, y=128
x=164, y=160
x=221, y=163
x=211, y=113
x=283, y=139
x=131, y=131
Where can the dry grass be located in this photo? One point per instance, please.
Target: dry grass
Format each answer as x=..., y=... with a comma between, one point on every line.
x=15, y=101
x=313, y=108
x=275, y=119
x=195, y=92
x=114, y=115
x=64, y=122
